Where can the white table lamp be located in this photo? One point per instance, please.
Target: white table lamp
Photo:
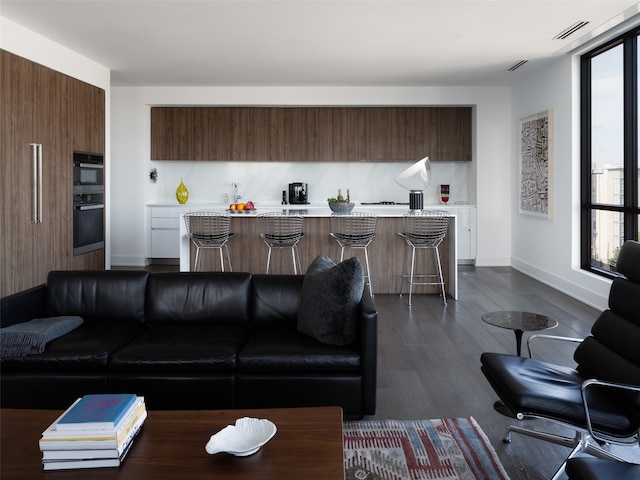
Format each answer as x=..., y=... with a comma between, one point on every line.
x=415, y=179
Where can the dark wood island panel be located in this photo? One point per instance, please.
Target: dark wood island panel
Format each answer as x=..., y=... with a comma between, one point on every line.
x=386, y=252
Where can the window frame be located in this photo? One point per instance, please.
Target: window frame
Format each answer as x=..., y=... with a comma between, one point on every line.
x=629, y=207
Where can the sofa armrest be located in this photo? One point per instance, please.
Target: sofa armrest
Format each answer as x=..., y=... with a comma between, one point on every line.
x=23, y=306
x=368, y=318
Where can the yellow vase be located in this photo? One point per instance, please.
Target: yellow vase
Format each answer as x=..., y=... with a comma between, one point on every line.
x=182, y=194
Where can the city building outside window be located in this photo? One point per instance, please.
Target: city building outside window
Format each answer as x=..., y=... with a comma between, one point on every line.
x=609, y=147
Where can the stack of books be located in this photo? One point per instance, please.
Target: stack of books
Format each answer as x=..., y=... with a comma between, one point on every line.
x=95, y=431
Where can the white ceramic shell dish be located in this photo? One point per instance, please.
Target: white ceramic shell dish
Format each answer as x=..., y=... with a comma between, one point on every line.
x=242, y=439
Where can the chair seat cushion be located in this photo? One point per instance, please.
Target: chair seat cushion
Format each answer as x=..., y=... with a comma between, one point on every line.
x=533, y=387
x=589, y=468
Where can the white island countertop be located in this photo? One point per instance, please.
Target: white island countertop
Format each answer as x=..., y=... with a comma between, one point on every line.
x=311, y=210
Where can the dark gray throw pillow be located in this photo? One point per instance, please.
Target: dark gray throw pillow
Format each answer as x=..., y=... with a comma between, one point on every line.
x=329, y=300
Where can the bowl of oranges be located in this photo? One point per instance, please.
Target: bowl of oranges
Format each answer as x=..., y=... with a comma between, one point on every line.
x=246, y=207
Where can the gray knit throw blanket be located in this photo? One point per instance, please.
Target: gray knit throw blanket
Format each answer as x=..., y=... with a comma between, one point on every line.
x=31, y=337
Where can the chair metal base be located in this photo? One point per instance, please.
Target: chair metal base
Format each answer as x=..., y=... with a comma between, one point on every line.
x=581, y=443
x=294, y=255
x=409, y=277
x=220, y=248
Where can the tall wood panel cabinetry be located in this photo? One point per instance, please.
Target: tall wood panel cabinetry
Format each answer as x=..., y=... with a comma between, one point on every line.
x=45, y=115
x=329, y=134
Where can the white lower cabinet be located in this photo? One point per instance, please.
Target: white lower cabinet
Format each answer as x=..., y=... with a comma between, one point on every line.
x=465, y=232
x=165, y=231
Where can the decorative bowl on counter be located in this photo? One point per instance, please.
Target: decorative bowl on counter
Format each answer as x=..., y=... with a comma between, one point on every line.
x=341, y=207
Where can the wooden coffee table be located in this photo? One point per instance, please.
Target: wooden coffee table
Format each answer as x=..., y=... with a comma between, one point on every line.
x=308, y=444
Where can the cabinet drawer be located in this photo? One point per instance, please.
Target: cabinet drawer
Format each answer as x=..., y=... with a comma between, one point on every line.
x=170, y=212
x=165, y=222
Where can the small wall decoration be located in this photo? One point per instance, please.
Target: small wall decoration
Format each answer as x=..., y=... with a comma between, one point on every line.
x=153, y=175
x=536, y=165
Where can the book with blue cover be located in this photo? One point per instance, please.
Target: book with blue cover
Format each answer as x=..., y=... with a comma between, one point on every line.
x=97, y=412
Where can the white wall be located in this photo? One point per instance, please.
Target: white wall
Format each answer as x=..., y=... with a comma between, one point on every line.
x=483, y=182
x=549, y=249
x=28, y=44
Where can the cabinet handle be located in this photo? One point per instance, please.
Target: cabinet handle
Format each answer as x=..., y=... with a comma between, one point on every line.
x=36, y=160
x=39, y=183
x=89, y=207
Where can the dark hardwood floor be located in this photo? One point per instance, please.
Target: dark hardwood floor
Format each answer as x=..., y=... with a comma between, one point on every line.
x=429, y=358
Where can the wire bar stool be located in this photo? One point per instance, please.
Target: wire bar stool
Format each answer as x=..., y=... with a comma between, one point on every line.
x=424, y=230
x=209, y=230
x=355, y=230
x=279, y=230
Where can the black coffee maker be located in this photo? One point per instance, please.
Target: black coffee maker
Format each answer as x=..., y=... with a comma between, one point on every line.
x=298, y=194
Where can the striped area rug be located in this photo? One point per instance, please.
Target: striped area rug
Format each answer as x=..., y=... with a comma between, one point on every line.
x=443, y=449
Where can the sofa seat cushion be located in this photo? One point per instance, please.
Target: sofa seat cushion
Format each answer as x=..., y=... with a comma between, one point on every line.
x=86, y=348
x=286, y=350
x=181, y=348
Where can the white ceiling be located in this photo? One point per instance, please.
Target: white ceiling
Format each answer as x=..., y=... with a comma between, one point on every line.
x=317, y=42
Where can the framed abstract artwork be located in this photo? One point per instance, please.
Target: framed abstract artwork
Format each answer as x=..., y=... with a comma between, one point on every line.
x=536, y=165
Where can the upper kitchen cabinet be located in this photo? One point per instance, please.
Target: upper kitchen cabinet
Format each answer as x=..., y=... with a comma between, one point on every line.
x=172, y=133
x=454, y=132
x=345, y=133
x=212, y=136
x=89, y=114
x=387, y=134
x=320, y=134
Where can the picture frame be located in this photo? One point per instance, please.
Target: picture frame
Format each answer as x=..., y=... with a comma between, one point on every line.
x=535, y=179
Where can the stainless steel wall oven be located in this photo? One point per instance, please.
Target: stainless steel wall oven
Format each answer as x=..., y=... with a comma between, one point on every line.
x=88, y=202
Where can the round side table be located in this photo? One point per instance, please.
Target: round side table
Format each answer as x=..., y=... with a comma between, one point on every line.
x=519, y=322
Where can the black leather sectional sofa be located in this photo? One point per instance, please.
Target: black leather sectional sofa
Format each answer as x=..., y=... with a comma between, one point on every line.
x=187, y=341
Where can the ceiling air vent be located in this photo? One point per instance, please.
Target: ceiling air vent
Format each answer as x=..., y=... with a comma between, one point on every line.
x=515, y=66
x=571, y=30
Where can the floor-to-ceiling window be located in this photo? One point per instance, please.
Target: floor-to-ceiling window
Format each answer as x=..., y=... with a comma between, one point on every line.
x=609, y=149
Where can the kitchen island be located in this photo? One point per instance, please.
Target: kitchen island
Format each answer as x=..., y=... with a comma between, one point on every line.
x=386, y=252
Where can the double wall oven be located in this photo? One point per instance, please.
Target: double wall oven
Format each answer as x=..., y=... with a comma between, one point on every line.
x=88, y=202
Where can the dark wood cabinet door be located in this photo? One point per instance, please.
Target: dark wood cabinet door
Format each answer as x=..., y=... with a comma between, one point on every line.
x=455, y=134
x=20, y=250
x=375, y=131
x=345, y=134
x=212, y=133
x=388, y=134
x=89, y=117
x=319, y=134
x=250, y=133
x=427, y=134
x=295, y=134
x=172, y=133
x=57, y=131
